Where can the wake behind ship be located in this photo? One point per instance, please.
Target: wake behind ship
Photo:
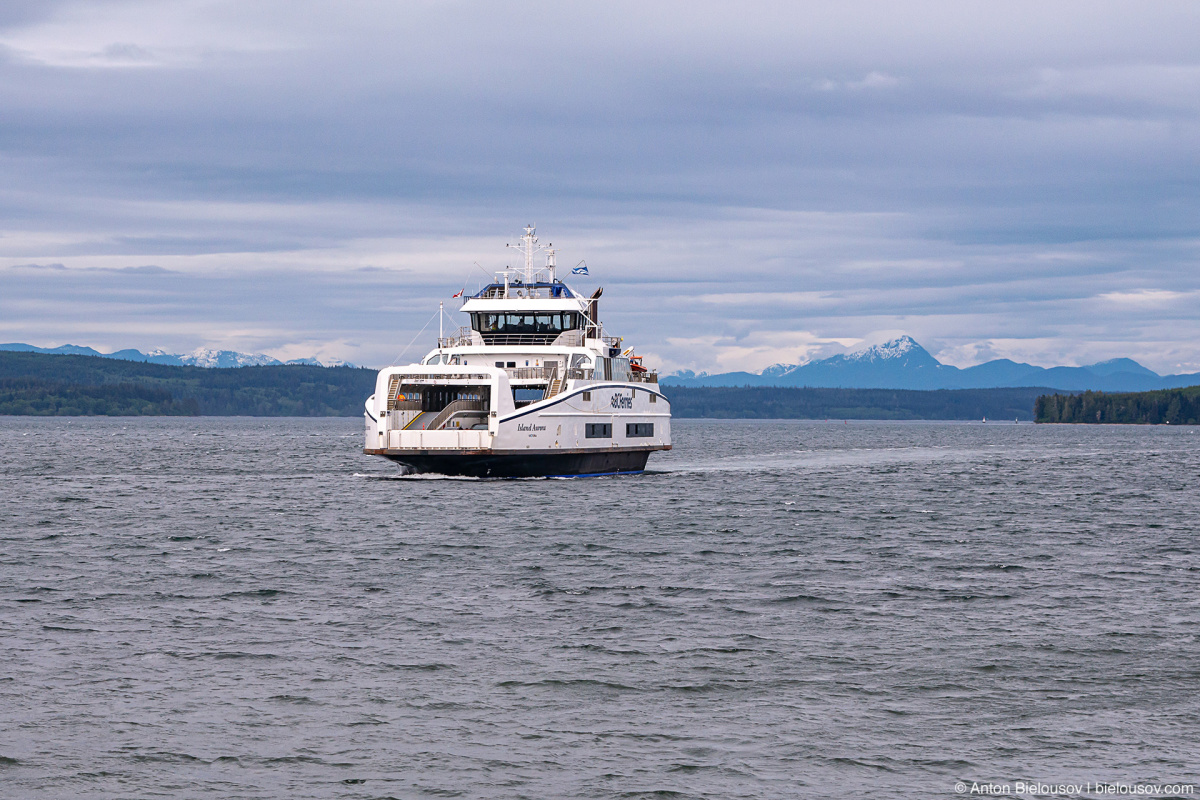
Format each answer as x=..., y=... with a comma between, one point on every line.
x=533, y=387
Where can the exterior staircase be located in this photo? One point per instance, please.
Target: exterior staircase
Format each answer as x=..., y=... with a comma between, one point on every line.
x=452, y=409
x=554, y=386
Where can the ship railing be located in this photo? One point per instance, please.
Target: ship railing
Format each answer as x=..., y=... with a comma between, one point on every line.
x=533, y=373
x=464, y=338
x=613, y=341
x=520, y=339
x=467, y=337
x=643, y=377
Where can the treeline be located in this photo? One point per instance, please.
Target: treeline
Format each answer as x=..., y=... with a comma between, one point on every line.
x=32, y=396
x=1162, y=407
x=773, y=402
x=41, y=384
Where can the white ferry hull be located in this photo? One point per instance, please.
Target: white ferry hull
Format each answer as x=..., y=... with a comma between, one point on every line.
x=589, y=428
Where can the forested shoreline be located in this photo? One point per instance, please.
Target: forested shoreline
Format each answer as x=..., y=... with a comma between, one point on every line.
x=774, y=402
x=66, y=385
x=1161, y=407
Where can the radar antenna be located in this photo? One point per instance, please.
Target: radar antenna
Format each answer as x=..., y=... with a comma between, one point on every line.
x=529, y=247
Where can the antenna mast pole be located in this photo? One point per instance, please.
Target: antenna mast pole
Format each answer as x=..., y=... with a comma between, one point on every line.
x=529, y=239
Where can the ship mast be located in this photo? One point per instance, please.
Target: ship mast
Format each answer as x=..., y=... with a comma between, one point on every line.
x=527, y=243
x=529, y=247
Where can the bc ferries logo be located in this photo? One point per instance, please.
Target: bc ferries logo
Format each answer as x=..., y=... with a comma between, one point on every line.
x=621, y=401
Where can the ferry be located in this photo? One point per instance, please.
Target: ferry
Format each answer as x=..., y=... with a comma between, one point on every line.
x=533, y=387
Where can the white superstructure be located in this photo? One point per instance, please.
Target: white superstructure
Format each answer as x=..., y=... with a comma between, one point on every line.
x=531, y=387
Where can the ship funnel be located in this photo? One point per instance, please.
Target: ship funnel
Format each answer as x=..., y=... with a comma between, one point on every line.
x=593, y=331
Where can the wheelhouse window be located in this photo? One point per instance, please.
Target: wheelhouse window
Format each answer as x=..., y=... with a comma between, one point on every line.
x=639, y=430
x=598, y=430
x=553, y=323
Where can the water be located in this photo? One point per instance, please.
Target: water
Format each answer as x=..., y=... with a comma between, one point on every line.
x=237, y=608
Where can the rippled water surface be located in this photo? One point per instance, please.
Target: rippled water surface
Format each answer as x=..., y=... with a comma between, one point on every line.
x=243, y=608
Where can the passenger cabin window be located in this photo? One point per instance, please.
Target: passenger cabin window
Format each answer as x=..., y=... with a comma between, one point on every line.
x=653, y=397
x=587, y=395
x=639, y=430
x=599, y=430
x=554, y=323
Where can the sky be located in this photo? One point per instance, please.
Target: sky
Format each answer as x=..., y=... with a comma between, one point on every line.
x=751, y=183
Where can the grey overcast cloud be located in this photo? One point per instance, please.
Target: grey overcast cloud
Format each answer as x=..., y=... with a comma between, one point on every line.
x=751, y=182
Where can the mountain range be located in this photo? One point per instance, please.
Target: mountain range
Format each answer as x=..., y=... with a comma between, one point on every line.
x=200, y=357
x=904, y=364
x=898, y=364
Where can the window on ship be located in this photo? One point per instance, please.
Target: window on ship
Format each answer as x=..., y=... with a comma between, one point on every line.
x=524, y=395
x=545, y=323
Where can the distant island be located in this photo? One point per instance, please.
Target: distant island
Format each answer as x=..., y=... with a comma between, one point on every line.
x=1166, y=407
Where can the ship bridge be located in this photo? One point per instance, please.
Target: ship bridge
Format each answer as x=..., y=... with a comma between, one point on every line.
x=525, y=322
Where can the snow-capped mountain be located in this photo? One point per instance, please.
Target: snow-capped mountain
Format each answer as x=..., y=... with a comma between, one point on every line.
x=200, y=357
x=902, y=363
x=204, y=357
x=777, y=370
x=904, y=349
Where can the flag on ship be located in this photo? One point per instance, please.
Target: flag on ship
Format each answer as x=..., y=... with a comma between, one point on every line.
x=580, y=270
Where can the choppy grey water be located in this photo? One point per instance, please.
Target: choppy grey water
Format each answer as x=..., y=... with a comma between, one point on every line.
x=244, y=608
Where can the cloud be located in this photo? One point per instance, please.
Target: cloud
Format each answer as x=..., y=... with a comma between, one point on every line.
x=1145, y=297
x=750, y=353
x=803, y=173
x=123, y=34
x=872, y=80
x=148, y=269
x=127, y=53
